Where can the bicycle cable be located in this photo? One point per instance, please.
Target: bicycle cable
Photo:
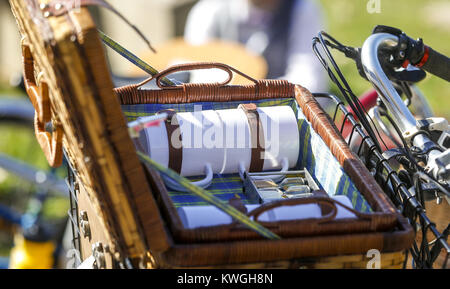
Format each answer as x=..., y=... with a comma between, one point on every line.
x=344, y=88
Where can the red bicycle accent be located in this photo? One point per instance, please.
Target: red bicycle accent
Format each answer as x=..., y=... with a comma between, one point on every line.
x=368, y=100
x=424, y=58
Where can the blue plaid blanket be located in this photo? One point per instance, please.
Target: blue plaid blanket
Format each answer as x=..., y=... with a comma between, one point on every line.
x=314, y=156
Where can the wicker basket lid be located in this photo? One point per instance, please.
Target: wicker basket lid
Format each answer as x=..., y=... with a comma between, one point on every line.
x=66, y=54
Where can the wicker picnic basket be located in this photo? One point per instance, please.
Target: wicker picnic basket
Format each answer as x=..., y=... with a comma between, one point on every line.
x=122, y=213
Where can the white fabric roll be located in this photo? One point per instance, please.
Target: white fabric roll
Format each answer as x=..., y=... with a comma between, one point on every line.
x=237, y=139
x=158, y=145
x=281, y=136
x=203, y=142
x=206, y=216
x=222, y=139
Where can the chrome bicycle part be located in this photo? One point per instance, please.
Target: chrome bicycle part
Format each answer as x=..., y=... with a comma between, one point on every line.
x=395, y=105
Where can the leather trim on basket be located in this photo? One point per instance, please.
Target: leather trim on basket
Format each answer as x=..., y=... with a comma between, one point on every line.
x=256, y=136
x=175, y=152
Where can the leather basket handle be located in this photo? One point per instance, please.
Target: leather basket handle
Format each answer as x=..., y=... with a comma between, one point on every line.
x=300, y=201
x=51, y=143
x=195, y=66
x=324, y=201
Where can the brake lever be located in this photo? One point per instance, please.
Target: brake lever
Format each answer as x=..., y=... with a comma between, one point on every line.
x=400, y=55
x=406, y=51
x=387, y=29
x=411, y=76
x=394, y=56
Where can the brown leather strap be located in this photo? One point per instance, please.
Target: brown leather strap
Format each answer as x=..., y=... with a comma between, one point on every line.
x=323, y=201
x=238, y=204
x=196, y=66
x=325, y=210
x=175, y=143
x=60, y=7
x=257, y=136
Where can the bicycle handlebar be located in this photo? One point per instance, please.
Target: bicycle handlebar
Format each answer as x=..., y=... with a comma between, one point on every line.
x=435, y=63
x=414, y=52
x=392, y=100
x=377, y=76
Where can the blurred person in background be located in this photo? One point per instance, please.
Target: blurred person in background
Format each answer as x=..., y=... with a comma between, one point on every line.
x=279, y=30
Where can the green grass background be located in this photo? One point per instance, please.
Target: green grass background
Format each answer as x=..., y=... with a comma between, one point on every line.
x=19, y=142
x=350, y=23
x=347, y=20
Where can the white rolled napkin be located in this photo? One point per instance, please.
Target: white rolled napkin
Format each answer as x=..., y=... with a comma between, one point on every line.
x=207, y=216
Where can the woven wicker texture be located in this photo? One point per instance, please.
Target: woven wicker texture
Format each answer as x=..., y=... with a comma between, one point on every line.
x=69, y=55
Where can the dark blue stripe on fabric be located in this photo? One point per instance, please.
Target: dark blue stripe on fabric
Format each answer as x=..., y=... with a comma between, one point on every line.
x=340, y=187
x=309, y=158
x=223, y=187
x=359, y=200
x=304, y=129
x=300, y=155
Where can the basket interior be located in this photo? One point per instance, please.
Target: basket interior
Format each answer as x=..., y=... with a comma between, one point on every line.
x=314, y=155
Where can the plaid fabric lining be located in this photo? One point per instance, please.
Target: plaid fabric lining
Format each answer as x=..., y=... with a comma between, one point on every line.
x=314, y=155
